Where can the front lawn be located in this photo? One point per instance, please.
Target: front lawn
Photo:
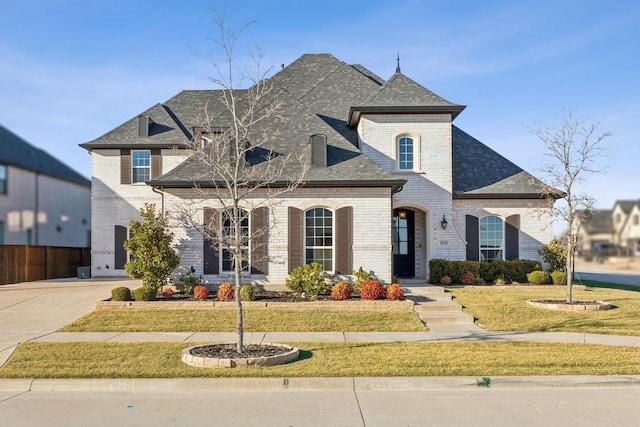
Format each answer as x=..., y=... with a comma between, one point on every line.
x=256, y=320
x=481, y=359
x=506, y=309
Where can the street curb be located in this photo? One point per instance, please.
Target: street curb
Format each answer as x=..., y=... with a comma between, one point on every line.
x=347, y=383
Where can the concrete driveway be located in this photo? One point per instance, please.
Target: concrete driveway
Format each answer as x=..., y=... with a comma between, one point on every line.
x=33, y=309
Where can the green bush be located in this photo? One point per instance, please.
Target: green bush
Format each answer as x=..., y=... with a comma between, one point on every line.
x=510, y=271
x=247, y=293
x=311, y=279
x=537, y=277
x=120, y=294
x=189, y=282
x=554, y=255
x=559, y=278
x=145, y=293
x=361, y=277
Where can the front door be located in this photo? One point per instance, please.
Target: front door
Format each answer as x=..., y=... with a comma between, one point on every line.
x=404, y=264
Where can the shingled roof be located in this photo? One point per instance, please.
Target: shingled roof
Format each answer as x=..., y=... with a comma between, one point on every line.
x=480, y=172
x=15, y=151
x=323, y=95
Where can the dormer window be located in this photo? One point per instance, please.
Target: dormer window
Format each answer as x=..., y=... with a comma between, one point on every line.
x=407, y=153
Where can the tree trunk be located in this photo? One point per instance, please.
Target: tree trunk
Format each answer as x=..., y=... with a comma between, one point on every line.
x=570, y=266
x=237, y=268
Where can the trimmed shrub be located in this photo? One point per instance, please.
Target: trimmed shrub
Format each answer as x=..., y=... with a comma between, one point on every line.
x=201, y=292
x=537, y=277
x=247, y=293
x=121, y=294
x=372, y=290
x=446, y=280
x=341, y=291
x=310, y=278
x=145, y=293
x=395, y=292
x=226, y=292
x=480, y=281
x=559, y=278
x=361, y=277
x=468, y=278
x=554, y=254
x=490, y=271
x=189, y=282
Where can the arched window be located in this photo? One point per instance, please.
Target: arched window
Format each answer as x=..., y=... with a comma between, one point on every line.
x=491, y=238
x=406, y=153
x=228, y=230
x=318, y=232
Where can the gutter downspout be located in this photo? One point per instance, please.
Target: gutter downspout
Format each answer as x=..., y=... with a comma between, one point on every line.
x=161, y=193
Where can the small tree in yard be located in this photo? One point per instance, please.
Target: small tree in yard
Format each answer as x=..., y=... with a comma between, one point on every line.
x=153, y=258
x=574, y=149
x=238, y=167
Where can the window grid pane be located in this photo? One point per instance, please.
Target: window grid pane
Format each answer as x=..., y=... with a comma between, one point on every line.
x=228, y=230
x=141, y=166
x=319, y=237
x=3, y=179
x=405, y=153
x=491, y=238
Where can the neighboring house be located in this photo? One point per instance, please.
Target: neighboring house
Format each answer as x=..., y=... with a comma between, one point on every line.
x=42, y=201
x=393, y=183
x=597, y=231
x=618, y=229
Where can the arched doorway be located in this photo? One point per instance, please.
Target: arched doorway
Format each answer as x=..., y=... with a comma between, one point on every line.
x=403, y=241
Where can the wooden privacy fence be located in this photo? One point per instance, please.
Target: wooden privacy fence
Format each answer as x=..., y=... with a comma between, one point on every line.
x=29, y=263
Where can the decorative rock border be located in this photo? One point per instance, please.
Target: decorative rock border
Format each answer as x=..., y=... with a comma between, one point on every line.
x=306, y=305
x=576, y=306
x=213, y=362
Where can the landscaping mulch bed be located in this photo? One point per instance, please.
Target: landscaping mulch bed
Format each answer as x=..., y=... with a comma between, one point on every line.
x=267, y=296
x=228, y=351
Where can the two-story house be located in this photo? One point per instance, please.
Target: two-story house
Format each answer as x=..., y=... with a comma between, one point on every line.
x=42, y=201
x=392, y=183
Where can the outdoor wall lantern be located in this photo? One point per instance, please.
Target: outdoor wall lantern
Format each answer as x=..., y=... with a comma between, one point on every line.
x=402, y=214
x=443, y=223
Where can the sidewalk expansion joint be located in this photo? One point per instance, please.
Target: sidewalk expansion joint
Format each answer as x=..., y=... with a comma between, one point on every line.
x=114, y=337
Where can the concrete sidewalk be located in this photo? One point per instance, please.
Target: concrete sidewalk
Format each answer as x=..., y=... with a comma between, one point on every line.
x=336, y=337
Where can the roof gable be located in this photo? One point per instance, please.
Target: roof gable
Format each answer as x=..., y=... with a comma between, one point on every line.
x=401, y=91
x=17, y=152
x=479, y=171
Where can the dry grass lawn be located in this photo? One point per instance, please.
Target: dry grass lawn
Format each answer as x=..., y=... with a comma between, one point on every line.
x=506, y=309
x=256, y=320
x=163, y=360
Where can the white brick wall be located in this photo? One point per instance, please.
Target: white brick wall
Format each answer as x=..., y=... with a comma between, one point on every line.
x=117, y=204
x=371, y=228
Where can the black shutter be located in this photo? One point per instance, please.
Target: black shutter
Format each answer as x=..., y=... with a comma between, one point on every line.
x=259, y=235
x=512, y=239
x=296, y=235
x=120, y=234
x=156, y=163
x=211, y=254
x=473, y=238
x=344, y=240
x=125, y=166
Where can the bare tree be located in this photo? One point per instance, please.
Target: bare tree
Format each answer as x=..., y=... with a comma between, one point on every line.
x=574, y=149
x=239, y=168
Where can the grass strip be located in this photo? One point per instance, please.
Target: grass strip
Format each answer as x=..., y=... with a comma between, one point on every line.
x=607, y=285
x=163, y=360
x=506, y=309
x=256, y=320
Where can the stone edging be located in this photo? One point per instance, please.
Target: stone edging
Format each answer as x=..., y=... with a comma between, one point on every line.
x=577, y=306
x=213, y=362
x=310, y=305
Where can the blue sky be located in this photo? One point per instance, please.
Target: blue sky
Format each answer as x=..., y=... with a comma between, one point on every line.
x=71, y=70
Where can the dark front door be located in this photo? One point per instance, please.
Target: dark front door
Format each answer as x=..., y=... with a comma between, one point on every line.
x=404, y=264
